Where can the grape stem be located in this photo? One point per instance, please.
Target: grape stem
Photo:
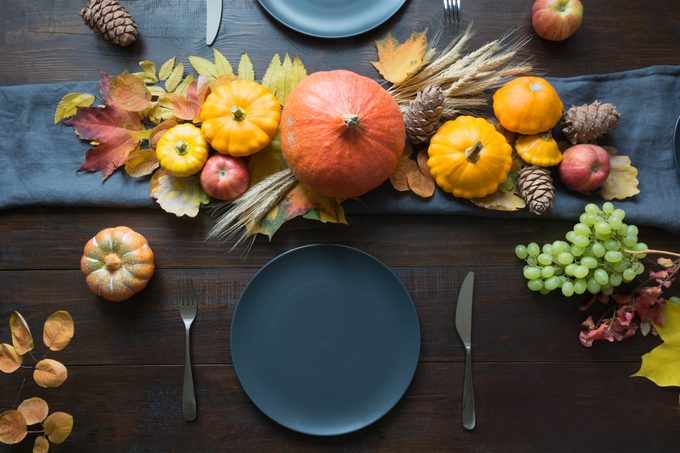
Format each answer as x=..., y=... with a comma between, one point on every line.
x=649, y=251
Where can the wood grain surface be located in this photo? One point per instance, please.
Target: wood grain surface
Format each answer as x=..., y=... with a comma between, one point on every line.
x=537, y=389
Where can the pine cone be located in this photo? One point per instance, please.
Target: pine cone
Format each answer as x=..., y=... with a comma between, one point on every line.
x=536, y=187
x=423, y=114
x=111, y=20
x=587, y=123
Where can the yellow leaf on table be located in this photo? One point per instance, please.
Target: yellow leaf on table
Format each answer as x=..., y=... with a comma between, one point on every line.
x=41, y=445
x=662, y=364
x=245, y=68
x=141, y=162
x=281, y=77
x=22, y=339
x=34, y=410
x=222, y=65
x=12, y=427
x=179, y=196
x=183, y=86
x=397, y=61
x=68, y=105
x=166, y=69
x=149, y=71
x=500, y=201
x=203, y=66
x=58, y=330
x=10, y=360
x=157, y=91
x=50, y=373
x=622, y=181
x=175, y=77
x=161, y=111
x=58, y=426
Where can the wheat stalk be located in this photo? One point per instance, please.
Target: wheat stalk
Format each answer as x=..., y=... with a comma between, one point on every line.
x=465, y=78
x=238, y=219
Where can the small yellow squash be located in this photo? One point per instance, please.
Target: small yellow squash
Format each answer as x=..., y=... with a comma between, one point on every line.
x=469, y=158
x=182, y=150
x=540, y=150
x=240, y=118
x=527, y=105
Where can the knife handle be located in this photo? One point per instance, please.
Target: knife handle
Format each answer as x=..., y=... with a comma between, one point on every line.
x=469, y=420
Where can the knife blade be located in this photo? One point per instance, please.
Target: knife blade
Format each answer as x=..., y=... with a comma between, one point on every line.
x=464, y=330
x=213, y=17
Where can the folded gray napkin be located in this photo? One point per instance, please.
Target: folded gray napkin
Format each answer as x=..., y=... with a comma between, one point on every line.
x=38, y=160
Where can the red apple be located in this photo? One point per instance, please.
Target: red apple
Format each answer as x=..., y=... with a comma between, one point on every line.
x=584, y=167
x=556, y=20
x=225, y=177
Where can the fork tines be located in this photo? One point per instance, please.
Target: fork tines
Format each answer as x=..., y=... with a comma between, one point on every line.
x=452, y=11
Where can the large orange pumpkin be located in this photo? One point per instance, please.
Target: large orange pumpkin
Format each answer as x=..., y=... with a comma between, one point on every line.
x=342, y=134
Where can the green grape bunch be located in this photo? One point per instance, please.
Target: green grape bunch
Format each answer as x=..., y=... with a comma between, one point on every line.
x=596, y=256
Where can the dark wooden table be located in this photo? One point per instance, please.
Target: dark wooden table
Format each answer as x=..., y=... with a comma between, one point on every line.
x=537, y=388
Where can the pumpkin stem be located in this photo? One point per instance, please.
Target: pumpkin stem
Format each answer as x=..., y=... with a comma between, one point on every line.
x=113, y=262
x=472, y=153
x=181, y=147
x=351, y=120
x=238, y=113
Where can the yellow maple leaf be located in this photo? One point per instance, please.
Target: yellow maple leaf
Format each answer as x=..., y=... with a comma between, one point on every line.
x=662, y=364
x=622, y=181
x=397, y=61
x=68, y=106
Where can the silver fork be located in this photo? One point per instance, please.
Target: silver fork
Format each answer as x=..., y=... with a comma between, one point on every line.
x=452, y=11
x=187, y=311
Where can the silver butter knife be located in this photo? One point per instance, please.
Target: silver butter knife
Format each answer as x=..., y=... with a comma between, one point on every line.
x=213, y=17
x=464, y=329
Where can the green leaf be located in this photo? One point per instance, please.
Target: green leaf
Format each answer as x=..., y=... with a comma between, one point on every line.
x=175, y=77
x=222, y=65
x=179, y=196
x=68, y=106
x=245, y=68
x=166, y=69
x=662, y=364
x=203, y=67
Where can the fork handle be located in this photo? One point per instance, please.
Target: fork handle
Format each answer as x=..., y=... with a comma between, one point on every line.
x=469, y=420
x=188, y=394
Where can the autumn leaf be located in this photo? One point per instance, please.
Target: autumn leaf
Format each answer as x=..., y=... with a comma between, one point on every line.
x=406, y=165
x=158, y=131
x=34, y=410
x=245, y=68
x=500, y=201
x=420, y=181
x=58, y=330
x=179, y=196
x=665, y=262
x=68, y=105
x=221, y=80
x=188, y=107
x=58, y=426
x=662, y=364
x=148, y=71
x=156, y=91
x=203, y=66
x=141, y=162
x=21, y=334
x=398, y=61
x=184, y=85
x=129, y=92
x=10, y=360
x=622, y=181
x=281, y=77
x=267, y=162
x=175, y=77
x=12, y=427
x=50, y=373
x=41, y=445
x=222, y=65
x=161, y=111
x=166, y=69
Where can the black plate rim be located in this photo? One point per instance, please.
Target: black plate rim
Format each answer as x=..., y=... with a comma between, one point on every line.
x=418, y=335
x=315, y=35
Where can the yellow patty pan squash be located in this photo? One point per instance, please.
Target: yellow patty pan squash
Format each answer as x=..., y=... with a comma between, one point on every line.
x=240, y=117
x=468, y=157
x=182, y=150
x=540, y=150
x=527, y=105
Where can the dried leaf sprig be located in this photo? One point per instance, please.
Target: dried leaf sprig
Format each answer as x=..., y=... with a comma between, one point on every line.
x=58, y=331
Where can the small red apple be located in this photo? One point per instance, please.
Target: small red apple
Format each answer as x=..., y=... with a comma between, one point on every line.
x=584, y=167
x=556, y=20
x=225, y=177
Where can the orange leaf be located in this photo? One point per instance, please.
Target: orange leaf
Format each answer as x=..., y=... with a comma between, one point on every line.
x=58, y=330
x=34, y=410
x=58, y=426
x=12, y=427
x=141, y=162
x=186, y=107
x=422, y=158
x=397, y=61
x=422, y=185
x=399, y=178
x=129, y=92
x=42, y=445
x=49, y=373
x=21, y=334
x=158, y=131
x=10, y=360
